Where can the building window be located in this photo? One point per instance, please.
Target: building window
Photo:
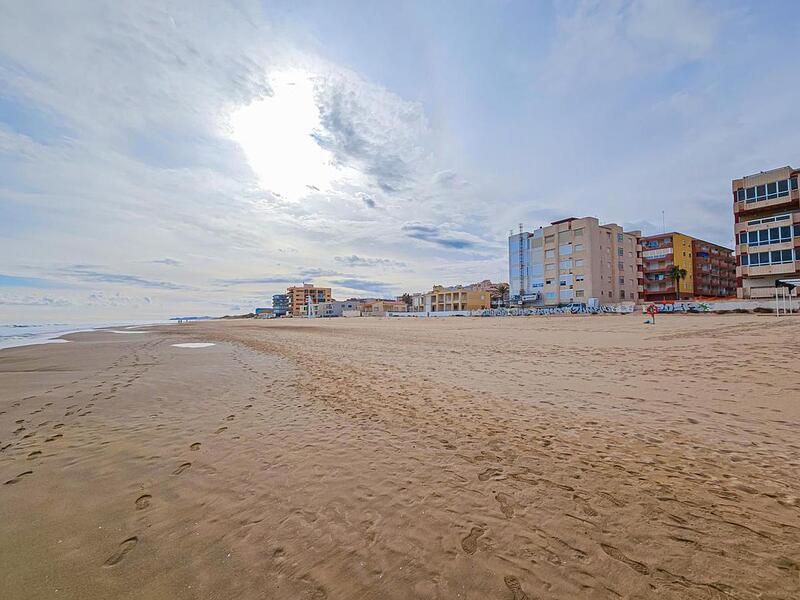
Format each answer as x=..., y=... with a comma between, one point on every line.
x=578, y=232
x=578, y=247
x=770, y=191
x=622, y=281
x=773, y=235
x=565, y=265
x=579, y=278
x=760, y=259
x=550, y=267
x=579, y=293
x=550, y=295
x=619, y=238
x=565, y=249
x=579, y=262
x=622, y=294
x=566, y=280
x=620, y=266
x=549, y=253
x=549, y=239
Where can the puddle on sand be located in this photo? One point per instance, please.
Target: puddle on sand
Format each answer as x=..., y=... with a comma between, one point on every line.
x=194, y=345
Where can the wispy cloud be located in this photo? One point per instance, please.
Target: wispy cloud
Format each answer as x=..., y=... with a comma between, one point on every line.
x=89, y=274
x=170, y=262
x=365, y=285
x=441, y=235
x=33, y=300
x=364, y=261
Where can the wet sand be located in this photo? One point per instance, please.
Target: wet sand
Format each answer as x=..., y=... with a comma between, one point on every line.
x=539, y=458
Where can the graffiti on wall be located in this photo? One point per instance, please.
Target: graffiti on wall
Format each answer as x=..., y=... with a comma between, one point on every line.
x=570, y=309
x=680, y=307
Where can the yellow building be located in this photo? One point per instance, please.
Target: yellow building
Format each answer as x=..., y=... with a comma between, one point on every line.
x=379, y=308
x=710, y=268
x=300, y=296
x=452, y=298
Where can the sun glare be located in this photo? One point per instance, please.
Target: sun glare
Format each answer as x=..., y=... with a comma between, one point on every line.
x=275, y=135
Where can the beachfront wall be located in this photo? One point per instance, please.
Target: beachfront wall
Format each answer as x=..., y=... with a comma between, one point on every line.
x=718, y=306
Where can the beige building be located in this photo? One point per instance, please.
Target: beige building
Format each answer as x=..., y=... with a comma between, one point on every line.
x=457, y=297
x=766, y=210
x=379, y=308
x=573, y=261
x=301, y=295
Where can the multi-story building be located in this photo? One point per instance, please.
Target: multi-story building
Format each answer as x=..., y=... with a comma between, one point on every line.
x=379, y=308
x=456, y=297
x=766, y=210
x=301, y=296
x=280, y=304
x=710, y=268
x=573, y=261
x=337, y=308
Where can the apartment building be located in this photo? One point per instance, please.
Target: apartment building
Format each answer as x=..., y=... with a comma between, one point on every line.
x=456, y=297
x=280, y=304
x=572, y=261
x=379, y=308
x=766, y=210
x=301, y=295
x=338, y=308
x=710, y=268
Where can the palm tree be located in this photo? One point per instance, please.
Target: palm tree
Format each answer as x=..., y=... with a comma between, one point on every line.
x=677, y=273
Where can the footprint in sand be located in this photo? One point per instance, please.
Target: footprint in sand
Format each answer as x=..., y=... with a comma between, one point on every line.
x=470, y=543
x=34, y=454
x=182, y=468
x=220, y=430
x=195, y=446
x=143, y=501
x=513, y=584
x=506, y=504
x=121, y=552
x=617, y=555
x=489, y=473
x=18, y=478
x=230, y=417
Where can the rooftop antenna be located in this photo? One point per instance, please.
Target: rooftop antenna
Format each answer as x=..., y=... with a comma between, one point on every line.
x=663, y=223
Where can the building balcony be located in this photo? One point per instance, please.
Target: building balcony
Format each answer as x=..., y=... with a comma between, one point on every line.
x=766, y=270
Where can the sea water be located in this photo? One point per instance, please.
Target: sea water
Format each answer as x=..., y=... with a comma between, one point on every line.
x=25, y=334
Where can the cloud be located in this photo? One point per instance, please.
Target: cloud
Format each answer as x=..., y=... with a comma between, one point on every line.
x=370, y=129
x=171, y=262
x=368, y=201
x=362, y=261
x=610, y=40
x=88, y=273
x=11, y=300
x=116, y=300
x=441, y=235
x=365, y=285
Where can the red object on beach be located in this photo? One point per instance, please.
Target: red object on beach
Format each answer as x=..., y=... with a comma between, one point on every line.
x=652, y=310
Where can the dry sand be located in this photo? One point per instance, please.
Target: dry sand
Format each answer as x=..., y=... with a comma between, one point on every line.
x=538, y=458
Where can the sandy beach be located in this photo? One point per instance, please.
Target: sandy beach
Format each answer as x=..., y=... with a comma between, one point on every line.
x=508, y=458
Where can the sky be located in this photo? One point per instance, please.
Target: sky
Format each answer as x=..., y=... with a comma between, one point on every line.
x=195, y=157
